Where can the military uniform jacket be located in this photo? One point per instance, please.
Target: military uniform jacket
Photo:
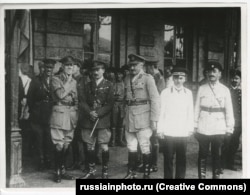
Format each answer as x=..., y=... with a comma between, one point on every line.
x=65, y=110
x=236, y=99
x=141, y=88
x=214, y=123
x=99, y=98
x=40, y=100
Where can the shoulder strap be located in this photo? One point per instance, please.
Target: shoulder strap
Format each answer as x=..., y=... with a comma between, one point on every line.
x=214, y=95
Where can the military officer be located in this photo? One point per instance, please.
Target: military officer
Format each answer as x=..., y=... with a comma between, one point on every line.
x=118, y=110
x=64, y=115
x=232, y=144
x=76, y=144
x=96, y=104
x=152, y=68
x=213, y=119
x=142, y=113
x=40, y=105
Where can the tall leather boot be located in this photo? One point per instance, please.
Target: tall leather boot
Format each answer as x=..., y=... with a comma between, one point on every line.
x=120, y=140
x=146, y=166
x=202, y=168
x=105, y=160
x=154, y=154
x=91, y=159
x=65, y=175
x=58, y=164
x=132, y=162
x=216, y=174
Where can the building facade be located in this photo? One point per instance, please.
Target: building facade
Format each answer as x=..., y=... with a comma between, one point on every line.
x=186, y=36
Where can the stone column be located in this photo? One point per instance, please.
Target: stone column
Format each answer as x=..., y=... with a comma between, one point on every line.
x=15, y=136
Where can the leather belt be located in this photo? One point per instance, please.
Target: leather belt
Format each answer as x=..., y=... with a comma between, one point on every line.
x=209, y=109
x=65, y=103
x=136, y=102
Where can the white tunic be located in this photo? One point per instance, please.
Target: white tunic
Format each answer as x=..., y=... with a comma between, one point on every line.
x=214, y=123
x=176, y=116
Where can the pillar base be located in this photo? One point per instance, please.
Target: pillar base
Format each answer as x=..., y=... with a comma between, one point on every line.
x=16, y=181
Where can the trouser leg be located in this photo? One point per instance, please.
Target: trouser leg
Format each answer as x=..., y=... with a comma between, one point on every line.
x=169, y=149
x=47, y=145
x=216, y=142
x=39, y=140
x=113, y=137
x=120, y=138
x=181, y=147
x=204, y=142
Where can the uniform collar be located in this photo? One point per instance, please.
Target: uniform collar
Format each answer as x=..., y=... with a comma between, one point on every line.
x=137, y=76
x=99, y=81
x=237, y=87
x=178, y=90
x=214, y=84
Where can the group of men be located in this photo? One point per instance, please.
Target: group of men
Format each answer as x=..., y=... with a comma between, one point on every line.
x=63, y=107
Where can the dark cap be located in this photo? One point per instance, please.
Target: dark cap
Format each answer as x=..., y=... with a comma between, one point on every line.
x=67, y=60
x=78, y=62
x=40, y=64
x=111, y=69
x=119, y=70
x=96, y=64
x=86, y=64
x=49, y=63
x=151, y=61
x=179, y=71
x=125, y=67
x=133, y=59
x=212, y=65
x=234, y=73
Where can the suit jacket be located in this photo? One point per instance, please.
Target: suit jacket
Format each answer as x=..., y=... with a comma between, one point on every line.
x=99, y=98
x=39, y=100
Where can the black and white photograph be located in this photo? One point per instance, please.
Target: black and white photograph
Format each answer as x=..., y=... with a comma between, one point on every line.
x=122, y=92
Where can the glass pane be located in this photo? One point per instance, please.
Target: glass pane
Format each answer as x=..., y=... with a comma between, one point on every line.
x=105, y=58
x=169, y=41
x=88, y=37
x=179, y=42
x=104, y=45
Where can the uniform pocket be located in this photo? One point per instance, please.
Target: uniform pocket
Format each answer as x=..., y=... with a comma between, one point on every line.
x=60, y=119
x=141, y=116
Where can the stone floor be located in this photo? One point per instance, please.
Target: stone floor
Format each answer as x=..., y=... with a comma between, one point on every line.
x=117, y=168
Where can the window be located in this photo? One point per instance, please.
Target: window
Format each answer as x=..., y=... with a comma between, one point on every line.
x=104, y=39
x=174, y=49
x=88, y=33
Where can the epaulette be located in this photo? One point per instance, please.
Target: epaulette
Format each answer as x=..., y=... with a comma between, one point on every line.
x=148, y=75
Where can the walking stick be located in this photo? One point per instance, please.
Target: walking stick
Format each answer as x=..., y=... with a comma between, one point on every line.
x=91, y=134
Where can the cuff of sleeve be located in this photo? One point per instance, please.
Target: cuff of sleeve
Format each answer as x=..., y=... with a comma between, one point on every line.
x=230, y=130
